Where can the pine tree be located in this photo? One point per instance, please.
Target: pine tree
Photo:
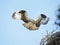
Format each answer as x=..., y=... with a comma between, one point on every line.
x=57, y=22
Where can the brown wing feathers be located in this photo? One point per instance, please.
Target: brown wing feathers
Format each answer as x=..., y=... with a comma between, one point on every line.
x=35, y=23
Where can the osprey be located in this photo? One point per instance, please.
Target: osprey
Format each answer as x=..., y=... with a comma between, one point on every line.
x=30, y=23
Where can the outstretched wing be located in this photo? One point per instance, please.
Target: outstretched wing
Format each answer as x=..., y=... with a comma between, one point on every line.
x=21, y=15
x=42, y=19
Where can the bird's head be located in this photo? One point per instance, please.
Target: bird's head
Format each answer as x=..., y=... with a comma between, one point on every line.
x=18, y=14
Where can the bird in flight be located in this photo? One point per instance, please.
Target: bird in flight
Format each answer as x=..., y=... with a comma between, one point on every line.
x=30, y=23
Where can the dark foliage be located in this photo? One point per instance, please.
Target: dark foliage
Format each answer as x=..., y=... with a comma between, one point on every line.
x=58, y=17
x=55, y=39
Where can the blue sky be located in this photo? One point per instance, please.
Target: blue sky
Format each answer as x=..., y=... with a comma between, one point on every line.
x=12, y=32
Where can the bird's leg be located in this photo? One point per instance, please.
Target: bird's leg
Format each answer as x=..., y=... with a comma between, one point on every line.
x=26, y=25
x=30, y=26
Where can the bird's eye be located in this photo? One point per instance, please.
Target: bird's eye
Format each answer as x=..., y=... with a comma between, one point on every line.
x=22, y=11
x=19, y=11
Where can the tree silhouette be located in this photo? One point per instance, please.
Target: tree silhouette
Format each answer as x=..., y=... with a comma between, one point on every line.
x=57, y=22
x=54, y=37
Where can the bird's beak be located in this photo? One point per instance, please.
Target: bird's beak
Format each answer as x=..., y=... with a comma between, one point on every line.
x=13, y=15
